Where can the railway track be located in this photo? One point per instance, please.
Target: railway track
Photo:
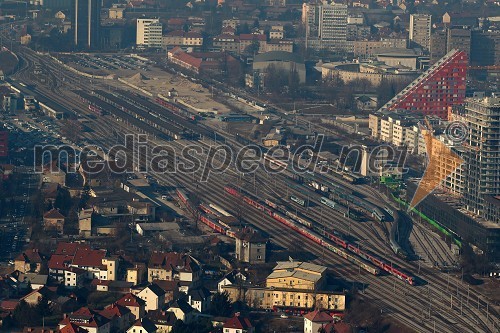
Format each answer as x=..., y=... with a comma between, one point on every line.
x=351, y=271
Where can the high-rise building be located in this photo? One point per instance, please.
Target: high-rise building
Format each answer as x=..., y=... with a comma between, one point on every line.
x=485, y=48
x=326, y=26
x=420, y=30
x=459, y=38
x=437, y=89
x=4, y=143
x=438, y=45
x=451, y=38
x=149, y=32
x=482, y=156
x=87, y=23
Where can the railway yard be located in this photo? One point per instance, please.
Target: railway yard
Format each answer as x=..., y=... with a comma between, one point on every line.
x=348, y=233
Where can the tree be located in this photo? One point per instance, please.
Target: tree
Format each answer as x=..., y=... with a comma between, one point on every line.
x=26, y=315
x=253, y=48
x=293, y=83
x=63, y=201
x=43, y=307
x=220, y=305
x=243, y=29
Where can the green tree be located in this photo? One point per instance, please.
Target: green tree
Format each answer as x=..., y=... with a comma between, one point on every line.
x=220, y=305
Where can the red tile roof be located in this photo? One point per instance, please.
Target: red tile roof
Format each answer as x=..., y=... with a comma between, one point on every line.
x=89, y=258
x=114, y=310
x=84, y=317
x=187, y=59
x=238, y=322
x=175, y=33
x=167, y=285
x=173, y=261
x=192, y=34
x=319, y=316
x=9, y=304
x=72, y=328
x=130, y=300
x=31, y=256
x=259, y=37
x=53, y=214
x=69, y=248
x=176, y=21
x=59, y=261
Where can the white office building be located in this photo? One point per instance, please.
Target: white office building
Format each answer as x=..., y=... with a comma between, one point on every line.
x=149, y=33
x=326, y=26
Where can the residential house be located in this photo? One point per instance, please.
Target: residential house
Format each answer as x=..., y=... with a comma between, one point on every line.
x=182, y=38
x=85, y=222
x=154, y=297
x=316, y=320
x=88, y=319
x=144, y=325
x=366, y=102
x=227, y=42
x=174, y=266
x=284, y=45
x=72, y=328
x=238, y=324
x=29, y=261
x=250, y=246
x=94, y=262
x=120, y=317
x=53, y=220
x=164, y=320
x=171, y=289
x=34, y=297
x=57, y=265
x=134, y=303
x=136, y=274
x=182, y=310
x=234, y=277
x=35, y=280
x=199, y=299
x=74, y=277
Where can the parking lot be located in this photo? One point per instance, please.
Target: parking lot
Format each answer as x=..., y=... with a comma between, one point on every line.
x=101, y=64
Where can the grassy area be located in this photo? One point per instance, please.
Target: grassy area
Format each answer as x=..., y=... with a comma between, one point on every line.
x=8, y=62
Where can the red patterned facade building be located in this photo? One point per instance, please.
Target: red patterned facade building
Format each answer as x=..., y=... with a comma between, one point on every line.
x=437, y=89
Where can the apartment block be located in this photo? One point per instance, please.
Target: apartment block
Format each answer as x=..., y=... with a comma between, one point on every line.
x=482, y=156
x=437, y=89
x=149, y=32
x=326, y=26
x=420, y=30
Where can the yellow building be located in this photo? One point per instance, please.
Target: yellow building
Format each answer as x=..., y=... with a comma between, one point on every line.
x=297, y=275
x=269, y=298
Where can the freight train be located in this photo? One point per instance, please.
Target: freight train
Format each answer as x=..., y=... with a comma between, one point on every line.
x=398, y=250
x=338, y=192
x=345, y=249
x=341, y=209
